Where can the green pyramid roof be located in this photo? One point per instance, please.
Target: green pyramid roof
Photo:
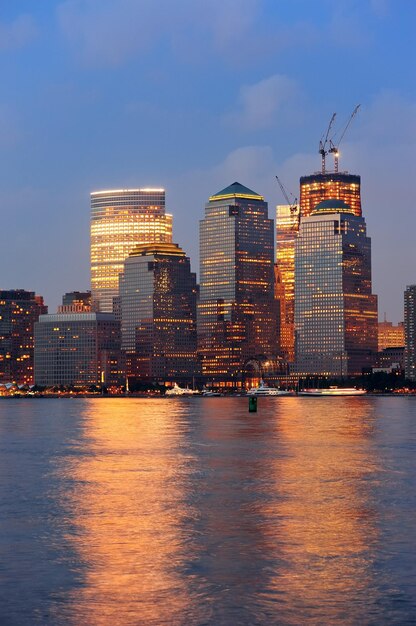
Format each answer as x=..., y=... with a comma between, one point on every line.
x=332, y=205
x=236, y=190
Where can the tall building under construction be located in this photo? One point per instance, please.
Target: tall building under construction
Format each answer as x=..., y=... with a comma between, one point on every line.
x=314, y=189
x=317, y=187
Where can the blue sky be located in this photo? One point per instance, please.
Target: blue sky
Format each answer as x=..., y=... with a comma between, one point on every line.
x=192, y=95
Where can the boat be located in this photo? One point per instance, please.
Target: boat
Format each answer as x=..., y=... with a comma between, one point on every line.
x=208, y=393
x=333, y=391
x=264, y=390
x=180, y=391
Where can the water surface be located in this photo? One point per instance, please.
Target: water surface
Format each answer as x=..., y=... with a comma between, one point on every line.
x=195, y=511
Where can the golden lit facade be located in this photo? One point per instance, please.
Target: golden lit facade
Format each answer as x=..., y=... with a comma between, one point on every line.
x=120, y=220
x=331, y=185
x=335, y=310
x=237, y=311
x=390, y=336
x=287, y=227
x=19, y=310
x=158, y=313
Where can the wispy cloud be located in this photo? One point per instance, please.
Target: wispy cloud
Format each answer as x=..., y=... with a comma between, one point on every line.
x=262, y=105
x=105, y=33
x=110, y=32
x=18, y=33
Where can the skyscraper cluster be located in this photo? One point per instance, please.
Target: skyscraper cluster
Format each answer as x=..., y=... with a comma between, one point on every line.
x=304, y=309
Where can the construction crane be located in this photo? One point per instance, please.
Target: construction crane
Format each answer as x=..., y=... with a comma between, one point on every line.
x=334, y=149
x=323, y=143
x=292, y=205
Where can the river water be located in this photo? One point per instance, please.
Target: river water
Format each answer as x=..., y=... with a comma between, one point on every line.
x=191, y=512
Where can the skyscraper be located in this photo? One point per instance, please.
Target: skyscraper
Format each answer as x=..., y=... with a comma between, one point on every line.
x=158, y=313
x=120, y=220
x=237, y=317
x=335, y=310
x=410, y=332
x=287, y=227
x=330, y=185
x=19, y=310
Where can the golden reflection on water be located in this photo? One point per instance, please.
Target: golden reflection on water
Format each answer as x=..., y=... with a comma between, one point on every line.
x=126, y=515
x=197, y=512
x=327, y=524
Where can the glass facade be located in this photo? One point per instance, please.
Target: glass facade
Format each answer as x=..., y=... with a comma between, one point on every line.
x=340, y=186
x=287, y=227
x=410, y=332
x=121, y=219
x=158, y=313
x=335, y=311
x=237, y=311
x=79, y=349
x=19, y=310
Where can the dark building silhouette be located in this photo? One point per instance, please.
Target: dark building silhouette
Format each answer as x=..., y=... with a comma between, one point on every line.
x=75, y=302
x=19, y=310
x=410, y=332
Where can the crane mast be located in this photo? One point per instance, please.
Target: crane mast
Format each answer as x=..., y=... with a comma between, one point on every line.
x=292, y=205
x=334, y=149
x=323, y=143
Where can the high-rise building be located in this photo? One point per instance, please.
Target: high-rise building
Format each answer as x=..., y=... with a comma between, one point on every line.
x=335, y=310
x=120, y=220
x=158, y=313
x=390, y=336
x=410, y=332
x=77, y=349
x=287, y=227
x=330, y=185
x=19, y=310
x=237, y=311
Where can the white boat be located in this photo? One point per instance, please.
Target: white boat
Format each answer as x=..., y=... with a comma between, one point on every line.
x=264, y=390
x=180, y=391
x=208, y=393
x=333, y=391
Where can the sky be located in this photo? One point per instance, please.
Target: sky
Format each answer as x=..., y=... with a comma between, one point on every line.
x=192, y=95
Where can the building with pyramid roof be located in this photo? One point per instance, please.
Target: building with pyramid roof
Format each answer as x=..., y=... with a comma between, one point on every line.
x=237, y=316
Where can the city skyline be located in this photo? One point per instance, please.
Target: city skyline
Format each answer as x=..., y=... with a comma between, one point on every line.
x=80, y=122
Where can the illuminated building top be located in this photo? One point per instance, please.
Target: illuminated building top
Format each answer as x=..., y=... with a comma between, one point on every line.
x=170, y=249
x=124, y=191
x=340, y=185
x=236, y=190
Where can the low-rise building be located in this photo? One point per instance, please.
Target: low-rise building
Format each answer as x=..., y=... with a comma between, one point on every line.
x=77, y=349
